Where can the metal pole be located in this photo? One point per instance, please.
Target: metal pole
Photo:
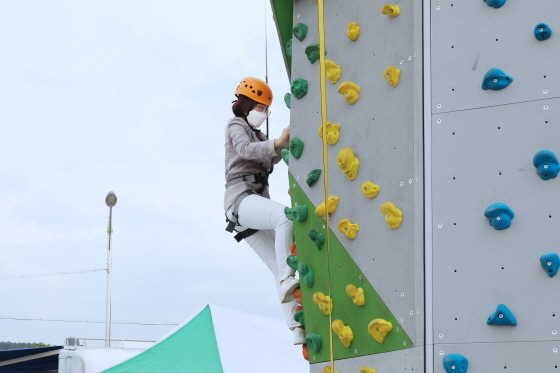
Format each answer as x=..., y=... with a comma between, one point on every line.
x=109, y=272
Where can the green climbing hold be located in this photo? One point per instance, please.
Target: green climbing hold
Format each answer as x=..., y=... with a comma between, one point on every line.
x=299, y=88
x=291, y=260
x=285, y=155
x=296, y=147
x=307, y=274
x=287, y=98
x=288, y=213
x=300, y=31
x=314, y=341
x=289, y=48
x=298, y=316
x=299, y=212
x=318, y=238
x=312, y=52
x=313, y=176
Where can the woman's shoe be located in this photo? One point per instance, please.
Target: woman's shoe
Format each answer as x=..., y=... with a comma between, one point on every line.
x=286, y=290
x=299, y=336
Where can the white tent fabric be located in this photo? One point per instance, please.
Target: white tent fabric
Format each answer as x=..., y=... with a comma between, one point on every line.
x=221, y=340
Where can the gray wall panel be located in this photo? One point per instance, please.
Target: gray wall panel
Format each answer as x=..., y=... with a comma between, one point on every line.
x=384, y=133
x=503, y=357
x=464, y=47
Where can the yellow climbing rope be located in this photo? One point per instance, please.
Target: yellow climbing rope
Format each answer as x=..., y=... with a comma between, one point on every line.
x=323, y=83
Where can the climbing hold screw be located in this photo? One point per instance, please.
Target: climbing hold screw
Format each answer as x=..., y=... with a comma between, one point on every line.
x=542, y=31
x=313, y=176
x=344, y=332
x=350, y=230
x=332, y=202
x=379, y=328
x=495, y=79
x=454, y=363
x=296, y=147
x=547, y=164
x=300, y=31
x=391, y=10
x=370, y=190
x=312, y=52
x=299, y=88
x=550, y=263
x=392, y=74
x=499, y=215
x=289, y=48
x=502, y=316
x=353, y=31
x=348, y=162
x=350, y=91
x=333, y=132
x=333, y=71
x=393, y=215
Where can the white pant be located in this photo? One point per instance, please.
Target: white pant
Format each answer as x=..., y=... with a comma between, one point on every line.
x=271, y=242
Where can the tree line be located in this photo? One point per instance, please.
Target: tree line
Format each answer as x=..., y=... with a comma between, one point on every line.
x=21, y=345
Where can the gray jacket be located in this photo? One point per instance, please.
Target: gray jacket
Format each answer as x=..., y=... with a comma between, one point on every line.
x=248, y=152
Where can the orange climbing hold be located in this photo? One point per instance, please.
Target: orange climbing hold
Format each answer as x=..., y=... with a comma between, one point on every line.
x=293, y=249
x=305, y=352
x=297, y=295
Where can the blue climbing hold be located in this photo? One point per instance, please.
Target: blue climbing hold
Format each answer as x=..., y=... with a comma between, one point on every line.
x=455, y=363
x=499, y=215
x=542, y=31
x=495, y=79
x=502, y=316
x=547, y=164
x=495, y=3
x=550, y=263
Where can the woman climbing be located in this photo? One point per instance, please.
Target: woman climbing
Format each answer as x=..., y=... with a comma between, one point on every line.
x=250, y=158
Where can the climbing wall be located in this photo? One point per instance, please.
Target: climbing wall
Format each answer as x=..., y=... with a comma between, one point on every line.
x=381, y=128
x=483, y=144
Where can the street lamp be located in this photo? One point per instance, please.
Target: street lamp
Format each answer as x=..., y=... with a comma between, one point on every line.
x=110, y=200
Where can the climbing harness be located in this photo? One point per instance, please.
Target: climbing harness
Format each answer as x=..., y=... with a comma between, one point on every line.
x=234, y=221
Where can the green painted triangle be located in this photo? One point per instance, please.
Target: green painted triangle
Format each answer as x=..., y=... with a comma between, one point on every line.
x=343, y=271
x=193, y=348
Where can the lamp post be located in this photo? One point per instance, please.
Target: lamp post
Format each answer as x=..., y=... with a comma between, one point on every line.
x=110, y=200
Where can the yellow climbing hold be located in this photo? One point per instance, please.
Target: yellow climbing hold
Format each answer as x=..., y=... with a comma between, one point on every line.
x=392, y=74
x=357, y=294
x=344, y=332
x=321, y=210
x=333, y=71
x=391, y=10
x=327, y=369
x=324, y=302
x=333, y=132
x=379, y=328
x=350, y=230
x=370, y=190
x=350, y=91
x=353, y=31
x=393, y=216
x=348, y=162
x=364, y=369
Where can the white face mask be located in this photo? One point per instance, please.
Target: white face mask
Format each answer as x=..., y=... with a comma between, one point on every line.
x=256, y=118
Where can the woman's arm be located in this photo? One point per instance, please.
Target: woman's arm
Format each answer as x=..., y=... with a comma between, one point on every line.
x=245, y=147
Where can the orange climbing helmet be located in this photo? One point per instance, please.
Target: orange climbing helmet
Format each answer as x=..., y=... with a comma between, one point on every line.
x=256, y=90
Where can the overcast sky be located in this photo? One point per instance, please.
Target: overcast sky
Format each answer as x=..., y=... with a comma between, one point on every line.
x=133, y=97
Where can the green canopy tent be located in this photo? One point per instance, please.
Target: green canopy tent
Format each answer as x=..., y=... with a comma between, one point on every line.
x=221, y=340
